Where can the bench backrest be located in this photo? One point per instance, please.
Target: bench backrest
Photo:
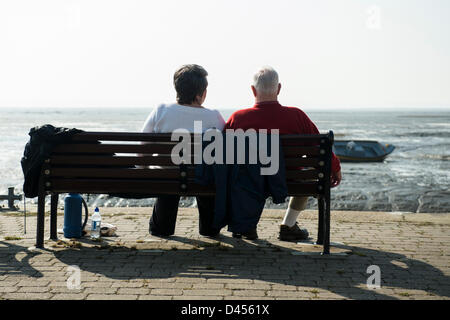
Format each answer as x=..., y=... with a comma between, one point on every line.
x=107, y=162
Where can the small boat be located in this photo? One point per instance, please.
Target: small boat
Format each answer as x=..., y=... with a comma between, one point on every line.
x=361, y=150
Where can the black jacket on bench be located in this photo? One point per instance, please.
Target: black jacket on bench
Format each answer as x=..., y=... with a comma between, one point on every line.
x=241, y=190
x=42, y=141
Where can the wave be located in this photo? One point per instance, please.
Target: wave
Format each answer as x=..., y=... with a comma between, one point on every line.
x=438, y=157
x=425, y=116
x=424, y=134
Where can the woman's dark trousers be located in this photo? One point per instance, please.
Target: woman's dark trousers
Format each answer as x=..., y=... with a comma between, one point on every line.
x=164, y=217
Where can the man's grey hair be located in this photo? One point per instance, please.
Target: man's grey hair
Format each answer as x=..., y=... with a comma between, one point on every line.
x=266, y=80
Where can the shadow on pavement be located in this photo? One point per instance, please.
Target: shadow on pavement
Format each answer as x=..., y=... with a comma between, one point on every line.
x=14, y=260
x=229, y=258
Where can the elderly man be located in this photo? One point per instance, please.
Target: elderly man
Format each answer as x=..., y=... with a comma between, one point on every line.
x=268, y=113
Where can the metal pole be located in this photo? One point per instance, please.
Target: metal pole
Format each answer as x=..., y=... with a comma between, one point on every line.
x=11, y=198
x=24, y=215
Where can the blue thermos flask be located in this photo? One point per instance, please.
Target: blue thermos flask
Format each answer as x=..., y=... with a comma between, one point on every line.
x=72, y=215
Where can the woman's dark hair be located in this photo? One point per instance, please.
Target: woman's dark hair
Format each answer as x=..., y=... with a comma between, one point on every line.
x=190, y=82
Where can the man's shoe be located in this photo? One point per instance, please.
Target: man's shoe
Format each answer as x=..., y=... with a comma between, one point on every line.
x=250, y=235
x=292, y=233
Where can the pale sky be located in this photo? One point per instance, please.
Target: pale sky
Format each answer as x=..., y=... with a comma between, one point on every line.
x=329, y=54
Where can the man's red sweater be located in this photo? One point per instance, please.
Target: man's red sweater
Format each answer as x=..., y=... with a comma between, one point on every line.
x=272, y=115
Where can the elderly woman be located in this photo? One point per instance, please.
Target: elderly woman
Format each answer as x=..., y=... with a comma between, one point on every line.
x=190, y=84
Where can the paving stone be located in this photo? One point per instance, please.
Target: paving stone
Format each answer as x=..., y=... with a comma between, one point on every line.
x=249, y=293
x=140, y=291
x=154, y=297
x=33, y=289
x=207, y=292
x=100, y=290
x=27, y=296
x=69, y=296
x=127, y=284
x=169, y=292
x=111, y=297
x=8, y=289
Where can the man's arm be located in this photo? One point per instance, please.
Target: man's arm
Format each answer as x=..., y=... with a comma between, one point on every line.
x=336, y=175
x=336, y=178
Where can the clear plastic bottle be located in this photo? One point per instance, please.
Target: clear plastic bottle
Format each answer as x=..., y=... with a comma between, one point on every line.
x=96, y=224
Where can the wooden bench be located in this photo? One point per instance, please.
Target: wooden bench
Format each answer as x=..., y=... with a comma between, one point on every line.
x=107, y=163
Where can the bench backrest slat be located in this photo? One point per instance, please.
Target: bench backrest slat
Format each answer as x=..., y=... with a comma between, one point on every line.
x=160, y=148
x=154, y=187
x=166, y=173
x=160, y=160
x=172, y=173
x=94, y=160
x=166, y=137
x=128, y=186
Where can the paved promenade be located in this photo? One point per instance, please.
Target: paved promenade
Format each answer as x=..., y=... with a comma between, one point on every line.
x=409, y=254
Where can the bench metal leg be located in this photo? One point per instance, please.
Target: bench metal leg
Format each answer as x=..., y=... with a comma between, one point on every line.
x=326, y=226
x=320, y=201
x=40, y=218
x=53, y=216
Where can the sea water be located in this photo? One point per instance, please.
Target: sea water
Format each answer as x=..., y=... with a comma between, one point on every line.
x=414, y=178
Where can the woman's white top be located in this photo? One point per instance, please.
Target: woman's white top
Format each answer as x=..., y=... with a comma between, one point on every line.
x=168, y=117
